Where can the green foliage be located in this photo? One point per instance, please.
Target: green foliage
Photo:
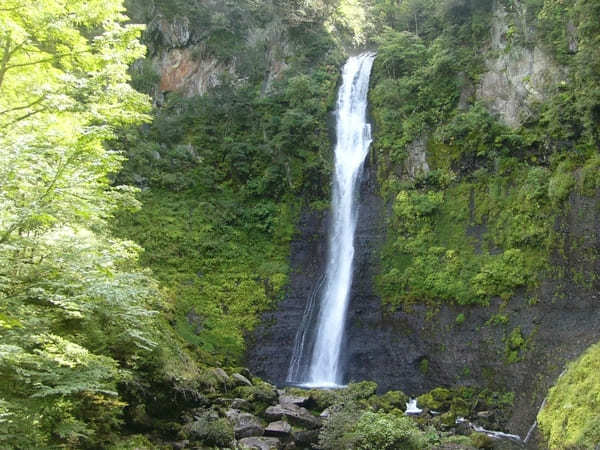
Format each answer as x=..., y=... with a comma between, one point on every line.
x=386, y=431
x=135, y=442
x=515, y=344
x=224, y=177
x=571, y=415
x=214, y=432
x=77, y=312
x=389, y=401
x=463, y=401
x=438, y=399
x=222, y=275
x=561, y=183
x=360, y=419
x=480, y=225
x=432, y=255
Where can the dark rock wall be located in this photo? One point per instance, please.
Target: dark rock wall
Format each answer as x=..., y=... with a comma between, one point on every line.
x=271, y=344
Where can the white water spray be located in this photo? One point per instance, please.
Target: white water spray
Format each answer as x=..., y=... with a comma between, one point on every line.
x=353, y=140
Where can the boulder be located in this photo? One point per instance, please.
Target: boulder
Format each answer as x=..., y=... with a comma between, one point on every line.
x=240, y=380
x=240, y=403
x=294, y=414
x=220, y=375
x=280, y=429
x=288, y=399
x=244, y=424
x=259, y=443
x=217, y=432
x=305, y=438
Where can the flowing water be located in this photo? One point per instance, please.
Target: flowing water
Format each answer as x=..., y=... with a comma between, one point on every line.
x=316, y=358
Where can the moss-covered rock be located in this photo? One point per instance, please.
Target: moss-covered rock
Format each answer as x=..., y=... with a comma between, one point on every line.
x=482, y=440
x=448, y=419
x=217, y=432
x=260, y=394
x=571, y=415
x=389, y=401
x=438, y=399
x=362, y=391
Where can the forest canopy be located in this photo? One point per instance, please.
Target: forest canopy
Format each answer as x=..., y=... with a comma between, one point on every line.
x=75, y=309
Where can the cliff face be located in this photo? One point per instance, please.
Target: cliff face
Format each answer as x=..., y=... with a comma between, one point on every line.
x=519, y=71
x=520, y=345
x=191, y=49
x=416, y=350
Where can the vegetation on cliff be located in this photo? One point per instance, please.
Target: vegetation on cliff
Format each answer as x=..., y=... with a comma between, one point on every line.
x=224, y=177
x=478, y=221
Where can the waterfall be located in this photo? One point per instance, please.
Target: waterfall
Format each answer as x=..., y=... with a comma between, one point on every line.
x=316, y=358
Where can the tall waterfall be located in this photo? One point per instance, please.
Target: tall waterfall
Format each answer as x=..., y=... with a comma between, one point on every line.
x=316, y=357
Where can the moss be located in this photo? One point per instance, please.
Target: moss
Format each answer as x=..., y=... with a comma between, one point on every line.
x=217, y=432
x=448, y=419
x=514, y=345
x=319, y=399
x=571, y=415
x=362, y=390
x=424, y=366
x=589, y=180
x=463, y=441
x=439, y=399
x=260, y=395
x=481, y=440
x=136, y=442
x=389, y=401
x=561, y=183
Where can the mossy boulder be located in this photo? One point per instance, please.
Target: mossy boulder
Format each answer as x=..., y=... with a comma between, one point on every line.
x=260, y=395
x=389, y=401
x=217, y=432
x=482, y=440
x=460, y=407
x=318, y=399
x=361, y=391
x=448, y=419
x=439, y=399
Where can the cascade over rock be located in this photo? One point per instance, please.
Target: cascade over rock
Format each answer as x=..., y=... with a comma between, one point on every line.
x=316, y=358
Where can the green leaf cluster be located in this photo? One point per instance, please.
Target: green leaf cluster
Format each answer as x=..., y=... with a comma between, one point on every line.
x=76, y=310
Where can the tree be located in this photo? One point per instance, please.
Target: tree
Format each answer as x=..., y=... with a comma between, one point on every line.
x=75, y=310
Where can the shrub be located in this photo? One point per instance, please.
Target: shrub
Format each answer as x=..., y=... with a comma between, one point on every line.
x=375, y=431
